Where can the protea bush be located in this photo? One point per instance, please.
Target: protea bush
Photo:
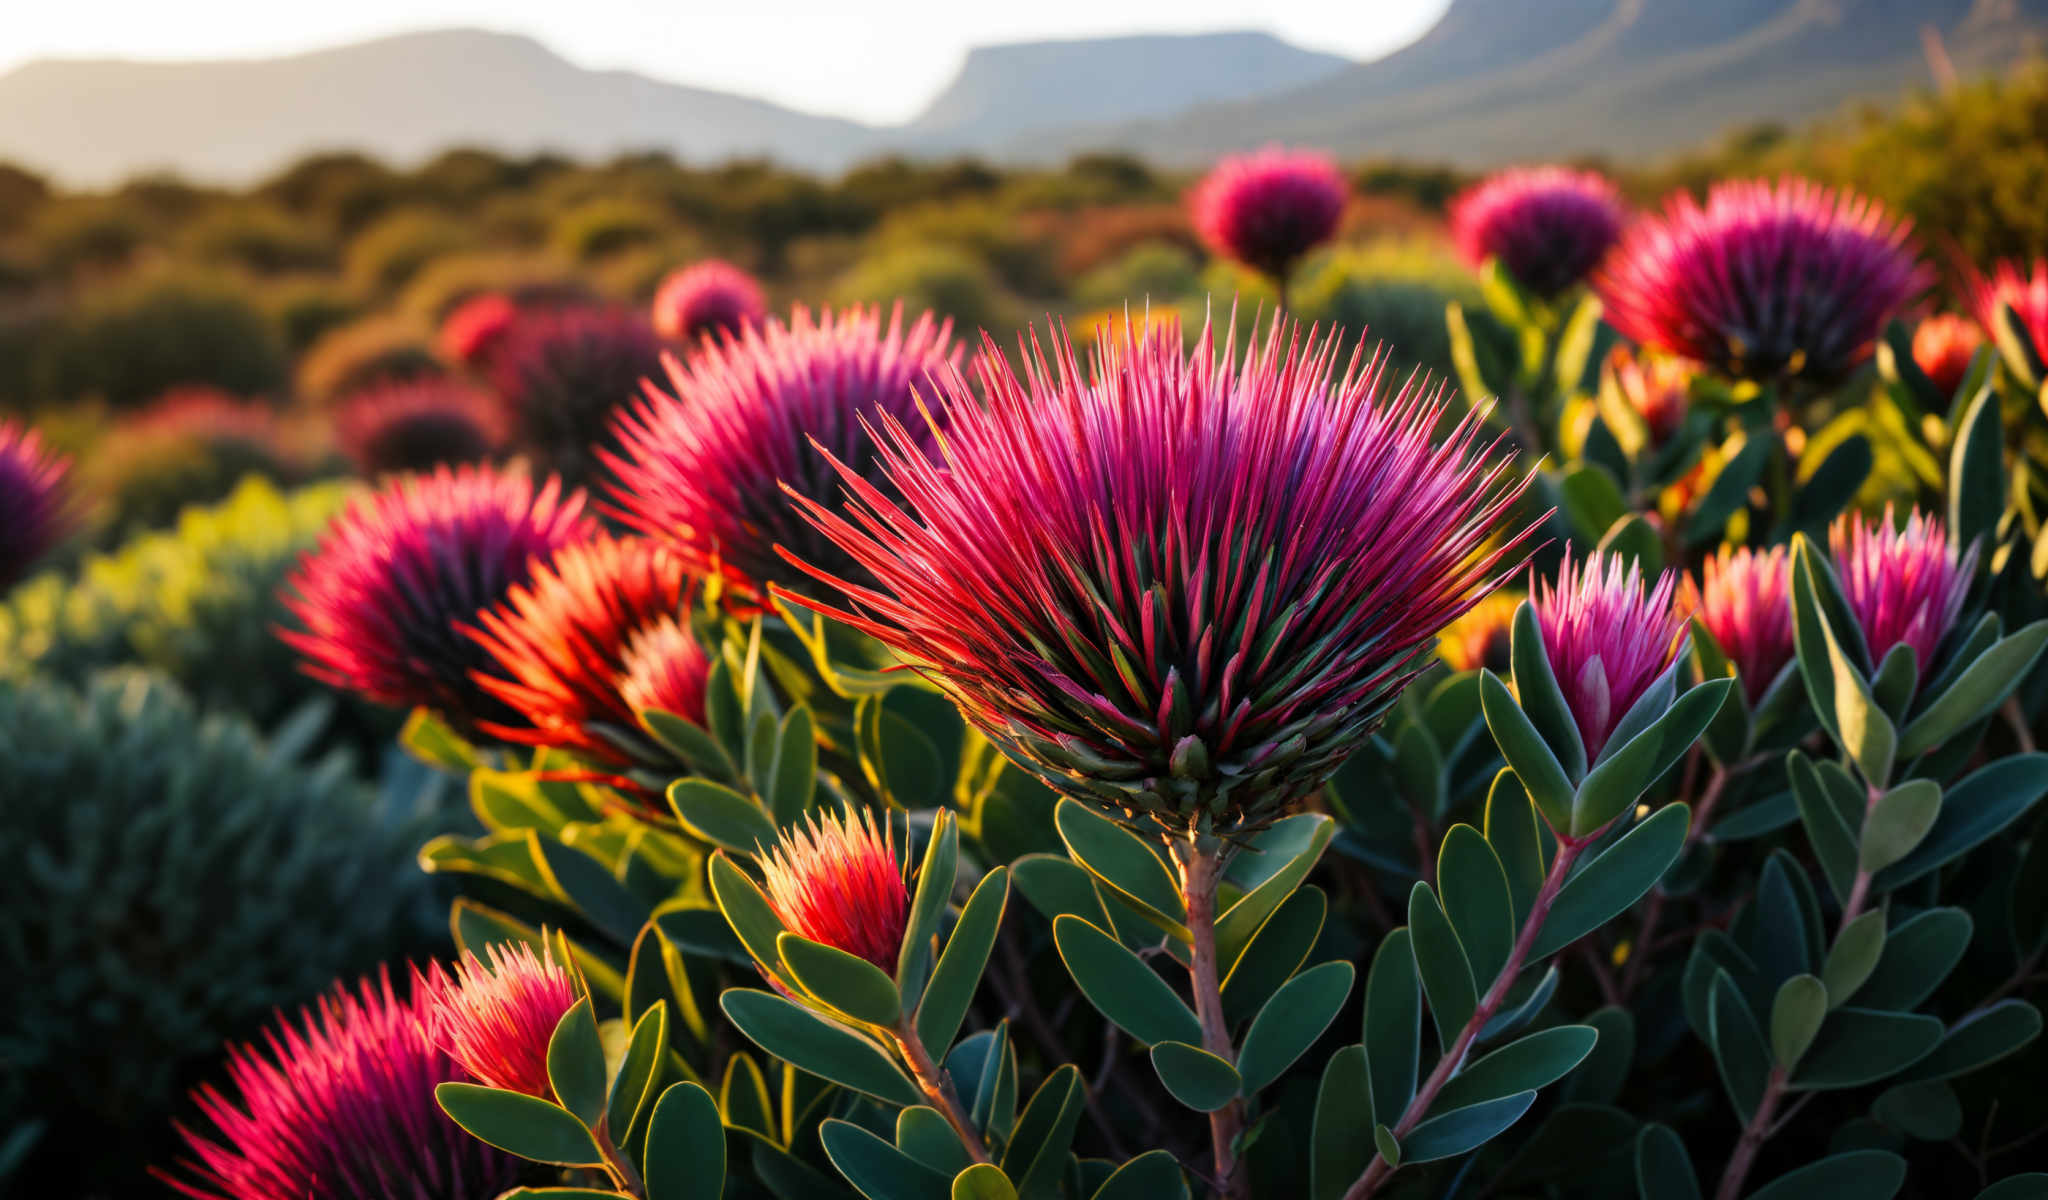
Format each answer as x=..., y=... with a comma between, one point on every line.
x=706, y=299
x=418, y=425
x=564, y=373
x=1548, y=227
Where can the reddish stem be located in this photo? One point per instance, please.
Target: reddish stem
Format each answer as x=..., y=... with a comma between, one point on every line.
x=1200, y=874
x=1753, y=1135
x=938, y=1089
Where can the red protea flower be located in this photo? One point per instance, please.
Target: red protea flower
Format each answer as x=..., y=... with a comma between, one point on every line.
x=1744, y=598
x=474, y=330
x=705, y=299
x=565, y=372
x=2011, y=285
x=1483, y=636
x=496, y=1019
x=563, y=646
x=665, y=668
x=1765, y=281
x=835, y=880
x=1607, y=641
x=381, y=599
x=1177, y=586
x=1904, y=583
x=341, y=1106
x=1269, y=208
x=1943, y=347
x=1548, y=226
x=705, y=469
x=419, y=424
x=33, y=511
x=1656, y=387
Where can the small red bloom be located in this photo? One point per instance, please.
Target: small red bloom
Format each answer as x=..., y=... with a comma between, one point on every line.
x=33, y=512
x=1269, y=208
x=1904, y=583
x=473, y=332
x=1607, y=641
x=1657, y=387
x=706, y=299
x=1548, y=226
x=835, y=880
x=419, y=424
x=1744, y=598
x=665, y=669
x=2027, y=295
x=496, y=1019
x=1943, y=346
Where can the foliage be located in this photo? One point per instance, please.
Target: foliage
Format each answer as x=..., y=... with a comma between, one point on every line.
x=941, y=279
x=130, y=344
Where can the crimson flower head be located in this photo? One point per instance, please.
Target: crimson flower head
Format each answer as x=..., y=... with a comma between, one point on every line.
x=496, y=1018
x=836, y=880
x=1548, y=226
x=1180, y=585
x=2011, y=285
x=1905, y=584
x=705, y=299
x=1482, y=637
x=338, y=1107
x=1269, y=208
x=473, y=330
x=706, y=469
x=1943, y=346
x=419, y=424
x=33, y=513
x=381, y=599
x=1657, y=387
x=1607, y=640
x=1765, y=281
x=565, y=372
x=564, y=645
x=665, y=669
x=1744, y=598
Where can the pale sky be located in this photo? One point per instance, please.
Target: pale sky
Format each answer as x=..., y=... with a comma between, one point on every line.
x=877, y=61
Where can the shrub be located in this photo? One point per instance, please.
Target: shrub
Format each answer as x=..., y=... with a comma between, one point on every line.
x=134, y=343
x=946, y=280
x=86, y=235
x=535, y=279
x=603, y=227
x=1392, y=292
x=374, y=349
x=1161, y=271
x=260, y=239
x=307, y=309
x=385, y=256
x=190, y=447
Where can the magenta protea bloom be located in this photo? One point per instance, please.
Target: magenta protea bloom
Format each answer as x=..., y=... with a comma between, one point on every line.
x=419, y=424
x=496, y=1019
x=2010, y=284
x=1744, y=598
x=564, y=373
x=473, y=331
x=1765, y=281
x=381, y=599
x=33, y=512
x=340, y=1107
x=1905, y=584
x=705, y=469
x=1606, y=639
x=835, y=880
x=1268, y=209
x=1548, y=226
x=706, y=299
x=1179, y=586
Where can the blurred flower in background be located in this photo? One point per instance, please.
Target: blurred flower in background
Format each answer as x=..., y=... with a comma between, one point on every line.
x=1548, y=227
x=33, y=503
x=564, y=373
x=472, y=333
x=706, y=299
x=420, y=424
x=1269, y=208
x=1943, y=346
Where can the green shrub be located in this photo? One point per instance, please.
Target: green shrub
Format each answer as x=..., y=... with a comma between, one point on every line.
x=307, y=309
x=946, y=280
x=364, y=351
x=1160, y=271
x=600, y=228
x=79, y=234
x=261, y=239
x=1393, y=292
x=190, y=447
x=133, y=343
x=385, y=256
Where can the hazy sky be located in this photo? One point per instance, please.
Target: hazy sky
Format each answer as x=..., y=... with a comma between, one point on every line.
x=877, y=60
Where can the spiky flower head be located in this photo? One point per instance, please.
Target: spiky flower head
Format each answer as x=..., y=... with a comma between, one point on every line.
x=495, y=1017
x=835, y=880
x=1606, y=638
x=1744, y=598
x=705, y=468
x=33, y=512
x=1483, y=636
x=665, y=669
x=419, y=424
x=381, y=599
x=1180, y=585
x=706, y=299
x=1943, y=346
x=338, y=1107
x=473, y=331
x=1268, y=208
x=564, y=648
x=564, y=374
x=2010, y=285
x=1547, y=226
x=1658, y=387
x=1905, y=583
x=1765, y=281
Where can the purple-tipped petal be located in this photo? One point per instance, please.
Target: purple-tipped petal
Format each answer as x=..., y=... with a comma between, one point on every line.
x=1607, y=639
x=1904, y=583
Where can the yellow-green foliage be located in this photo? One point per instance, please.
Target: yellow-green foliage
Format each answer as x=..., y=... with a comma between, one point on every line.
x=132, y=343
x=395, y=249
x=1393, y=291
x=944, y=279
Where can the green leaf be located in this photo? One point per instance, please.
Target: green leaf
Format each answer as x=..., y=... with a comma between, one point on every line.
x=1861, y=1045
x=1419, y=769
x=1979, y=1039
x=685, y=1146
x=1465, y=1129
x=717, y=814
x=849, y=984
x=1121, y=987
x=1270, y=869
x=1388, y=1146
x=1832, y=838
x=1393, y=1023
x=1898, y=822
x=1977, y=692
x=1037, y=1154
x=1832, y=671
x=590, y=888
x=934, y=891
x=1928, y=1111
x=690, y=743
x=2031, y=1186
x=1976, y=472
x=983, y=1181
x=1441, y=963
x=632, y=1085
x=1613, y=786
x=1609, y=884
x=1282, y=945
x=1663, y=1168
x=743, y=1097
x=432, y=741
x=1599, y=1079
x=1738, y=1045
x=1526, y=1064
x=1831, y=486
x=959, y=971
x=1591, y=501
x=1979, y=807
x=786, y=1030
x=925, y=1135
x=1917, y=956
x=1343, y=1111
x=1729, y=492
x=519, y=1124
x=1124, y=864
x=1512, y=831
x=877, y=1169
x=1289, y=1024
x=795, y=773
x=1541, y=698
x=1154, y=1175
x=1796, y=1015
x=1197, y=1078
x=752, y=918
x=1525, y=750
x=576, y=1066
x=1855, y=955
x=1864, y=1174
x=1475, y=898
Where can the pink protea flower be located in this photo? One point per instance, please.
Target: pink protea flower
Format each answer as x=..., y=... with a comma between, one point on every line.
x=2011, y=285
x=1606, y=639
x=474, y=330
x=1548, y=226
x=1269, y=208
x=563, y=644
x=1765, y=281
x=565, y=373
x=1904, y=583
x=705, y=469
x=340, y=1106
x=380, y=600
x=1482, y=637
x=1943, y=347
x=705, y=299
x=1658, y=388
x=1744, y=598
x=419, y=424
x=496, y=1018
x=1177, y=586
x=33, y=512
x=835, y=880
